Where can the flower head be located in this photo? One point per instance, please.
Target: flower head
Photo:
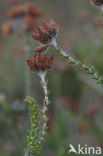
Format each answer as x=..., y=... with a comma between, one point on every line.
x=46, y=32
x=97, y=2
x=6, y=29
x=25, y=9
x=40, y=63
x=30, y=22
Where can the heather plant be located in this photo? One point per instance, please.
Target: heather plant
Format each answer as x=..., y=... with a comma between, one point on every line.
x=67, y=109
x=46, y=34
x=40, y=65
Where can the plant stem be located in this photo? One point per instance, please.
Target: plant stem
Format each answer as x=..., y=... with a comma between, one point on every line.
x=79, y=65
x=37, y=132
x=45, y=107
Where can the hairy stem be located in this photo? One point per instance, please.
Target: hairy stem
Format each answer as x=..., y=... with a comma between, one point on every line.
x=45, y=106
x=79, y=65
x=37, y=132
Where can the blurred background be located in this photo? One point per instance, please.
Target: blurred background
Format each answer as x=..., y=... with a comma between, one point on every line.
x=76, y=109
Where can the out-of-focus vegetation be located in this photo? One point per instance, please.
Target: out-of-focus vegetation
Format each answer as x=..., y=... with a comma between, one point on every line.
x=76, y=109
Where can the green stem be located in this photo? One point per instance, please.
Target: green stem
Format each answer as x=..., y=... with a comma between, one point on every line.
x=37, y=132
x=45, y=107
x=77, y=64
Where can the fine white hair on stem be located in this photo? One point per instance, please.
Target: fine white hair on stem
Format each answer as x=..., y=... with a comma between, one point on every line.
x=42, y=76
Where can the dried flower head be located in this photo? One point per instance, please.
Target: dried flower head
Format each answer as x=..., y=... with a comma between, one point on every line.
x=6, y=29
x=32, y=10
x=15, y=11
x=97, y=2
x=40, y=63
x=30, y=22
x=46, y=33
x=25, y=9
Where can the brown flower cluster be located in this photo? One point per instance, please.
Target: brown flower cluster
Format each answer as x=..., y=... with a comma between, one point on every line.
x=97, y=2
x=45, y=34
x=28, y=12
x=40, y=63
x=6, y=29
x=30, y=22
x=25, y=9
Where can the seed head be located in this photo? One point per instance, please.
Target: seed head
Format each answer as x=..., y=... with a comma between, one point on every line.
x=97, y=2
x=46, y=32
x=25, y=9
x=40, y=63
